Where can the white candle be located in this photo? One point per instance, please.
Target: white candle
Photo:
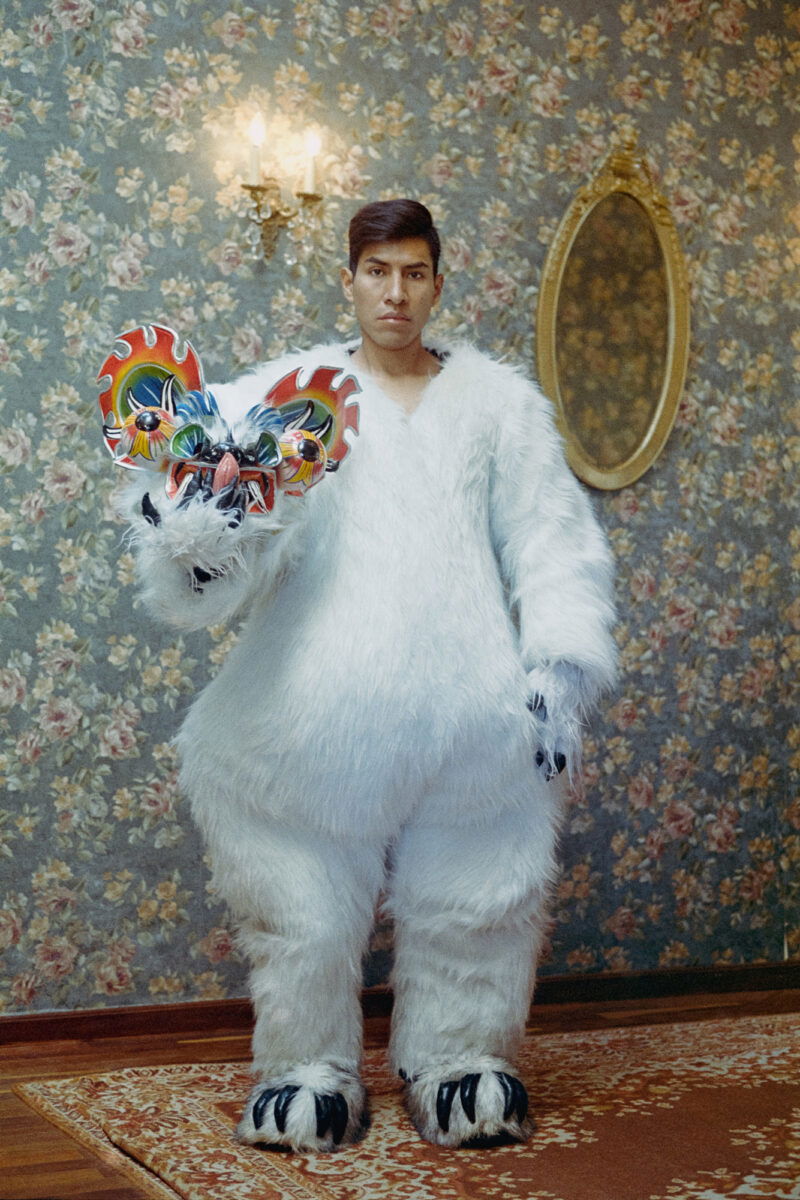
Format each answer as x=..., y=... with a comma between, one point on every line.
x=258, y=132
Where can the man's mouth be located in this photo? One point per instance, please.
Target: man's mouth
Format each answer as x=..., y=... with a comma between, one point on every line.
x=394, y=317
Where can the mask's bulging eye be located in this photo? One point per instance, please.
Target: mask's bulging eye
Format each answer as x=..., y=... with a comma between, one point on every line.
x=189, y=442
x=148, y=420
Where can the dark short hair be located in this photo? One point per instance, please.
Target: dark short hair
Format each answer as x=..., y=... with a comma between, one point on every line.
x=390, y=221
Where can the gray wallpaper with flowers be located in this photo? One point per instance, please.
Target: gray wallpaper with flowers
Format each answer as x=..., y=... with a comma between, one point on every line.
x=123, y=145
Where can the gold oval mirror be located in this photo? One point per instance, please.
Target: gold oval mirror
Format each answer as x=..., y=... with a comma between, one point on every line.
x=612, y=332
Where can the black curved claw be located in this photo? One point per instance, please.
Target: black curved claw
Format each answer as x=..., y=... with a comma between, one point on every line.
x=444, y=1103
x=559, y=762
x=469, y=1090
x=537, y=705
x=201, y=575
x=331, y=1110
x=149, y=510
x=515, y=1096
x=233, y=498
x=260, y=1106
x=284, y=1098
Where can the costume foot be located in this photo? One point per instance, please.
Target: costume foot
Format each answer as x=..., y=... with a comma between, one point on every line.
x=474, y=1105
x=314, y=1107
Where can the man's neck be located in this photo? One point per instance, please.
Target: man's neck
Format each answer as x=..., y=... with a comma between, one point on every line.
x=402, y=374
x=412, y=362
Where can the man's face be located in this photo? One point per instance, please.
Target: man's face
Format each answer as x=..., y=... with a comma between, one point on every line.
x=393, y=291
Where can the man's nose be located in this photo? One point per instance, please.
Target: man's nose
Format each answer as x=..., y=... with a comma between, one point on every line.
x=396, y=288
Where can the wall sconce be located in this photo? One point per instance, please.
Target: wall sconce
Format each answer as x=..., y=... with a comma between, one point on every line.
x=269, y=209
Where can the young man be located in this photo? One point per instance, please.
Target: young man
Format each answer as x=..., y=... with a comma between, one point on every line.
x=424, y=630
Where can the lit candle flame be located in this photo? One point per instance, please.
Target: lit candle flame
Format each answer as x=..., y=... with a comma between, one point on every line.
x=257, y=130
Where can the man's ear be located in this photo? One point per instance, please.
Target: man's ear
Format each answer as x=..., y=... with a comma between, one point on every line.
x=346, y=276
x=438, y=284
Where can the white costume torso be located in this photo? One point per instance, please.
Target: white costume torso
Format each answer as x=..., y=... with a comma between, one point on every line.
x=387, y=644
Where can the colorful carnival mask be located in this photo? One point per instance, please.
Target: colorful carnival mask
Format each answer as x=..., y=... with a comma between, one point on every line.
x=158, y=415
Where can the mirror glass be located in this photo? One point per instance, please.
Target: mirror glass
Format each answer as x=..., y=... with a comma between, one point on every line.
x=612, y=324
x=612, y=336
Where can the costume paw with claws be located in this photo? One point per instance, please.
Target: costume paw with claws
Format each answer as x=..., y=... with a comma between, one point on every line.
x=315, y=1107
x=484, y=1107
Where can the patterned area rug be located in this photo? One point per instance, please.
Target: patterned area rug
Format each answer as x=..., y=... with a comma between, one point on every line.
x=702, y=1111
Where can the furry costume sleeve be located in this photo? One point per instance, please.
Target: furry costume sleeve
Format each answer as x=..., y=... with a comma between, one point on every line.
x=556, y=565
x=196, y=568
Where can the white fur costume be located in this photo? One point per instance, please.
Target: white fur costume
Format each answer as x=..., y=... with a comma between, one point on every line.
x=402, y=615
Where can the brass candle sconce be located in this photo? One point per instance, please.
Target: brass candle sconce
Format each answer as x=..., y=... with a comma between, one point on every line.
x=269, y=208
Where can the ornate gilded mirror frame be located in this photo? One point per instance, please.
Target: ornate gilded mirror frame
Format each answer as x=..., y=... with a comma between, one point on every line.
x=615, y=412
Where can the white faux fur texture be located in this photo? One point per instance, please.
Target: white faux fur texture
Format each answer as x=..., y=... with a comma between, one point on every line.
x=200, y=534
x=315, y=1107
x=400, y=617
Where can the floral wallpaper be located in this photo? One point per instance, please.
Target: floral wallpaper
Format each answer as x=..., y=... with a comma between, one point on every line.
x=123, y=148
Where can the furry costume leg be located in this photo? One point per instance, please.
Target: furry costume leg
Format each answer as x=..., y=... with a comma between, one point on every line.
x=468, y=902
x=305, y=906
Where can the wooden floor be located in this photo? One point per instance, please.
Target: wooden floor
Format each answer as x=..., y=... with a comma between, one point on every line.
x=37, y=1162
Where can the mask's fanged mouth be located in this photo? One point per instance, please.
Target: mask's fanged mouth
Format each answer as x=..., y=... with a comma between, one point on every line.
x=246, y=488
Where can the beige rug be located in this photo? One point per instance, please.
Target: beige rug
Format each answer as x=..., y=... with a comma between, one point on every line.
x=702, y=1111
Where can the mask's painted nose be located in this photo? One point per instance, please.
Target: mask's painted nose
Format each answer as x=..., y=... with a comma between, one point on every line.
x=227, y=470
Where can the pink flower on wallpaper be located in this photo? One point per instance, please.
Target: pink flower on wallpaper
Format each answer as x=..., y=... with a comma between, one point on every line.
x=41, y=32
x=721, y=832
x=158, y=799
x=124, y=264
x=623, y=923
x=217, y=944
x=681, y=614
x=112, y=972
x=36, y=269
x=15, y=446
x=631, y=92
x=228, y=257
x=64, y=481
x=686, y=10
x=624, y=714
x=723, y=627
x=440, y=170
x=385, y=21
x=500, y=75
x=727, y=22
x=458, y=254
x=54, y=957
x=725, y=427
x=18, y=207
x=247, y=346
x=231, y=29
x=655, y=843
x=679, y=819
x=13, y=687
x=547, y=96
x=499, y=288
x=10, y=928
x=59, y=717
x=112, y=977
x=68, y=245
x=32, y=507
x=117, y=738
x=128, y=34
x=643, y=584
x=459, y=38
x=727, y=224
x=72, y=14
x=641, y=793
x=24, y=988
